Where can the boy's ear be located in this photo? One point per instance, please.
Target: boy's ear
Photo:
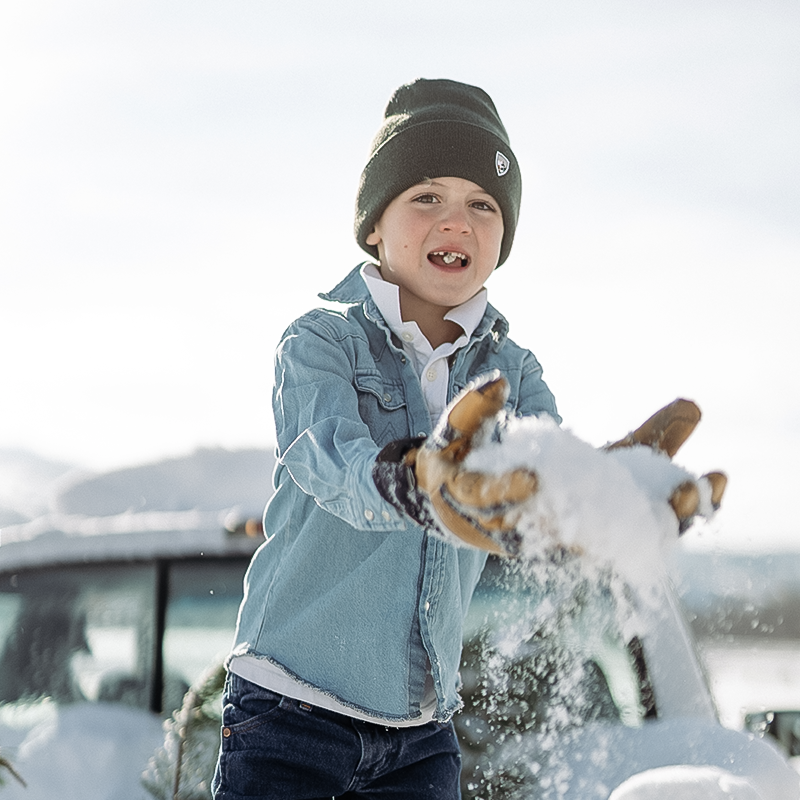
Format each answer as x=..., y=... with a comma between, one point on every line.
x=373, y=238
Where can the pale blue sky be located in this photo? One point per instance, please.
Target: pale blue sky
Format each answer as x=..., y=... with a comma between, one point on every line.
x=177, y=183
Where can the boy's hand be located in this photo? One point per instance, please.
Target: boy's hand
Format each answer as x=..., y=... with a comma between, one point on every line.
x=665, y=432
x=426, y=478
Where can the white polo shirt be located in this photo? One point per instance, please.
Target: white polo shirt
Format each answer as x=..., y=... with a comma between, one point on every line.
x=431, y=365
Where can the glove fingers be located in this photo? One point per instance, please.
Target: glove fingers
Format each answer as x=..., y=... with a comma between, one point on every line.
x=480, y=401
x=481, y=491
x=666, y=430
x=433, y=467
x=436, y=461
x=718, y=481
x=499, y=540
x=685, y=500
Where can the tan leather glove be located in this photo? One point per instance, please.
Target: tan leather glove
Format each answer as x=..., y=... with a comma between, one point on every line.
x=426, y=478
x=665, y=432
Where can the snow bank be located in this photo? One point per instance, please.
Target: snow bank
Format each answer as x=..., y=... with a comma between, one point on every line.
x=685, y=783
x=86, y=750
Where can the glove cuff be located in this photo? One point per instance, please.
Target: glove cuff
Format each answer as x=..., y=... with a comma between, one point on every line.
x=394, y=479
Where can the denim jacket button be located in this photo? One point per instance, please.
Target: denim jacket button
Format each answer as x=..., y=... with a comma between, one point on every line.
x=386, y=515
x=427, y=606
x=369, y=514
x=227, y=733
x=387, y=397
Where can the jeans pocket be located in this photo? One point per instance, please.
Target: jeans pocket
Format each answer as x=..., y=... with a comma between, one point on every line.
x=247, y=706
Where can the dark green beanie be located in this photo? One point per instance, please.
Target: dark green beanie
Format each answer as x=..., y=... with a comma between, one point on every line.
x=438, y=129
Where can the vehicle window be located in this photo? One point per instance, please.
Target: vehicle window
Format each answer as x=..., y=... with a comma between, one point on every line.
x=78, y=633
x=9, y=611
x=201, y=614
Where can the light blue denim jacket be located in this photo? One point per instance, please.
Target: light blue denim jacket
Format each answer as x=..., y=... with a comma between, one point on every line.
x=346, y=594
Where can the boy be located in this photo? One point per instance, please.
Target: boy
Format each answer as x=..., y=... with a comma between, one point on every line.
x=344, y=675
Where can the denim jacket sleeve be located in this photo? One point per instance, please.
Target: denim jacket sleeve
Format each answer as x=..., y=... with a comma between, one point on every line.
x=322, y=439
x=535, y=398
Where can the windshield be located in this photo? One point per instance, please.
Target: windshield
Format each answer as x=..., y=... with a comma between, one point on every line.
x=79, y=634
x=132, y=633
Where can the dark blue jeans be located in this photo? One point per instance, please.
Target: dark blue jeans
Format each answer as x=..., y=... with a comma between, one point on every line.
x=277, y=748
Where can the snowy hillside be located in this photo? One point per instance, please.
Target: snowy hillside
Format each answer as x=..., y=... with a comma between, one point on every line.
x=206, y=480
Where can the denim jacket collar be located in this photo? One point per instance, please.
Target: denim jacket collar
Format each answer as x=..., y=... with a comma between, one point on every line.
x=353, y=291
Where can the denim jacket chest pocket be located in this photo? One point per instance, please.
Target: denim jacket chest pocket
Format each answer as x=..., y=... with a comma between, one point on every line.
x=382, y=405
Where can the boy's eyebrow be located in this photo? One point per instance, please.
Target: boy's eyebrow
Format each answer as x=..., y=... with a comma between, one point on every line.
x=428, y=182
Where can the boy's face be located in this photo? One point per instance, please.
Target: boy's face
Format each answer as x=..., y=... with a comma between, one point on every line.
x=439, y=241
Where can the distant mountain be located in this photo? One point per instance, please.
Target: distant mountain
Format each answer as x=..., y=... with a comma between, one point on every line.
x=206, y=480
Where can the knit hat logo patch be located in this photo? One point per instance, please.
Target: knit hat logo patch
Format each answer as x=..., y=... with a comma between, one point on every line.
x=501, y=164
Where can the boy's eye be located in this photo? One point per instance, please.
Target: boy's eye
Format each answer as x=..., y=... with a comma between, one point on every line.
x=426, y=198
x=482, y=205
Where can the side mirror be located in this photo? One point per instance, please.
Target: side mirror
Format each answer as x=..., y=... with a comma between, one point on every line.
x=784, y=726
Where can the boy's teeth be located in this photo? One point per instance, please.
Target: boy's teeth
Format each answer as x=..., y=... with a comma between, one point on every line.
x=449, y=257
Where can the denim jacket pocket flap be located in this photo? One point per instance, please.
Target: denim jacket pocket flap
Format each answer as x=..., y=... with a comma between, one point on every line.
x=389, y=396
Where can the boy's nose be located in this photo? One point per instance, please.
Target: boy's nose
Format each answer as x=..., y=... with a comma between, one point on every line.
x=455, y=222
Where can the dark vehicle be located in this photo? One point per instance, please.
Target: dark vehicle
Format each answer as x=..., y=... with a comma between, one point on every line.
x=108, y=615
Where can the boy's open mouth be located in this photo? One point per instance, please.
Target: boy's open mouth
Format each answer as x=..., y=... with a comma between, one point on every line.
x=448, y=258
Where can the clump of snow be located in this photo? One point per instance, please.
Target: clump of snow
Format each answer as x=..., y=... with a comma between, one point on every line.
x=687, y=783
x=611, y=506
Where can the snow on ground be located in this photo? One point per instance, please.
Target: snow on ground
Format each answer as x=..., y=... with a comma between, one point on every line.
x=86, y=751
x=686, y=783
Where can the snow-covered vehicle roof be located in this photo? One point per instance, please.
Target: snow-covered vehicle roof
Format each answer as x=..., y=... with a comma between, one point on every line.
x=180, y=507
x=59, y=539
